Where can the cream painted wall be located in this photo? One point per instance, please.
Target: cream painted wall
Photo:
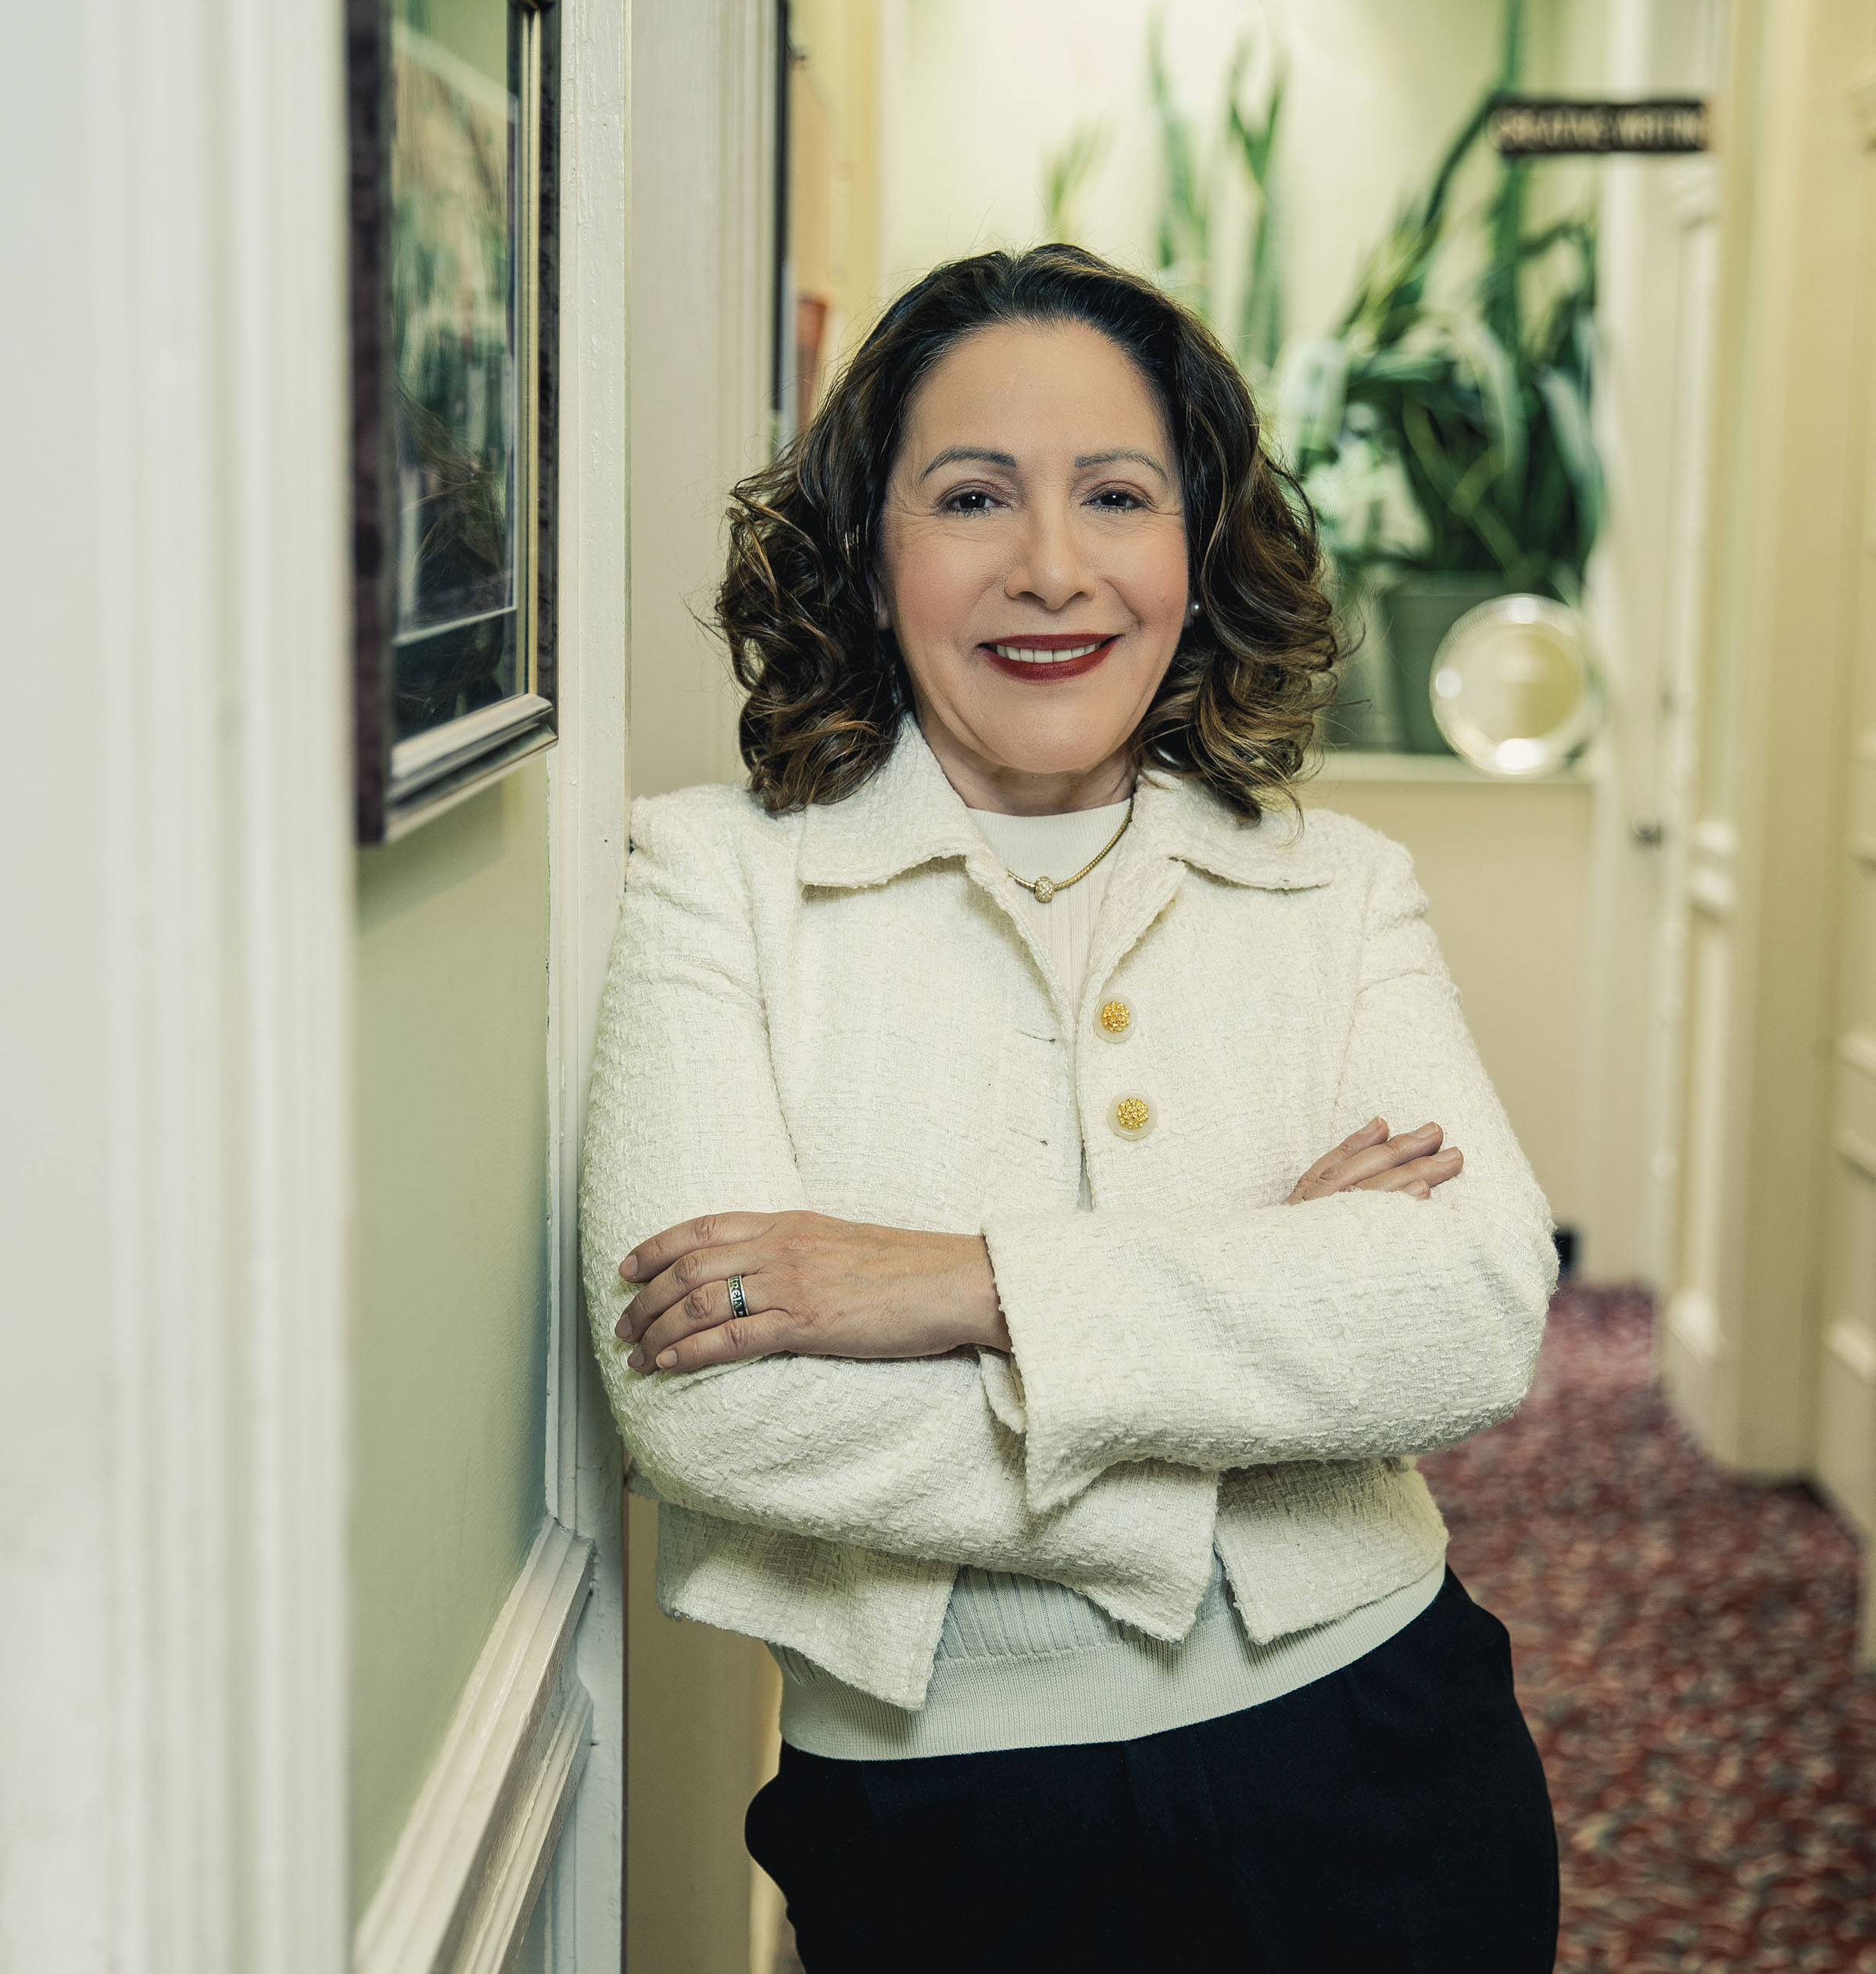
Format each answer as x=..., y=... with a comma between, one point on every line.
x=1505, y=868
x=701, y=1703
x=452, y=1274
x=1376, y=89
x=701, y=222
x=701, y=1742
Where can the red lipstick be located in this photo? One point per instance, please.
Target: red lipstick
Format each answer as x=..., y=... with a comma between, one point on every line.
x=1089, y=647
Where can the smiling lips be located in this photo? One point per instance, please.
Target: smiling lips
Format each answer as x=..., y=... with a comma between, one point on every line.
x=1042, y=659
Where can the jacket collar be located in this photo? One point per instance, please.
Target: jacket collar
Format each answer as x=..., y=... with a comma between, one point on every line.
x=908, y=814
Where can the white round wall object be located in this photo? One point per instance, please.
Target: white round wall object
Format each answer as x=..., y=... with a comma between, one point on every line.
x=1514, y=688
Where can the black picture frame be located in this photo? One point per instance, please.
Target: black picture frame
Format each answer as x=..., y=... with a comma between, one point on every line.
x=402, y=779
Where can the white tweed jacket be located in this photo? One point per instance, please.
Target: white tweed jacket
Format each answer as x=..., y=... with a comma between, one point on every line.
x=843, y=1010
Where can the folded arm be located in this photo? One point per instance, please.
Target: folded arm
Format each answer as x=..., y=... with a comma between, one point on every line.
x=1367, y=1322
x=901, y=1456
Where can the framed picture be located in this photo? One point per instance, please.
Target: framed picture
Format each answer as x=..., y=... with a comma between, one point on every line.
x=454, y=208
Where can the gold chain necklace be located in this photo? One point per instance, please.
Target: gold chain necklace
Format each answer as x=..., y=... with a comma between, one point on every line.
x=1043, y=889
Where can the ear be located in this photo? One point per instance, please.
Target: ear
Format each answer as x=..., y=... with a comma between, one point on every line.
x=883, y=617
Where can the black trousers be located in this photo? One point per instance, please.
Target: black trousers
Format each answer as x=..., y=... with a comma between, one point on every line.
x=1391, y=1817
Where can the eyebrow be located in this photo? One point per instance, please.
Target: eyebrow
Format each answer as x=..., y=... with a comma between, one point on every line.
x=953, y=454
x=1124, y=451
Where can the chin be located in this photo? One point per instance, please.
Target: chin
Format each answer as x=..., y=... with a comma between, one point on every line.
x=1044, y=746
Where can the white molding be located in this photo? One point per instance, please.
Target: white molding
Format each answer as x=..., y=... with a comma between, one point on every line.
x=1712, y=892
x=1861, y=94
x=1693, y=1320
x=216, y=140
x=460, y=1886
x=1335, y=764
x=1693, y=186
x=1854, y=1347
x=1712, y=836
x=174, y=1641
x=588, y=799
x=1854, y=1149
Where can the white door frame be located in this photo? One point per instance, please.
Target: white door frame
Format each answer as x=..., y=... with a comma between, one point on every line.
x=174, y=1569
x=589, y=797
x=175, y=1204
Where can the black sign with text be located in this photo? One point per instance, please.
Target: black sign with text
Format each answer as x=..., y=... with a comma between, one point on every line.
x=1550, y=126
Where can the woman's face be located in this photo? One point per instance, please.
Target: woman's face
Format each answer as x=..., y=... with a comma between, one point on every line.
x=1033, y=564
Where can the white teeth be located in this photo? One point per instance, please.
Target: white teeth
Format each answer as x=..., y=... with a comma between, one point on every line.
x=1025, y=654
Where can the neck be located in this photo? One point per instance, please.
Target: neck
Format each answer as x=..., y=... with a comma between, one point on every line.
x=982, y=783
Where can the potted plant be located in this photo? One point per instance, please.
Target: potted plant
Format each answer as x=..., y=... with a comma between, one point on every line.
x=1448, y=448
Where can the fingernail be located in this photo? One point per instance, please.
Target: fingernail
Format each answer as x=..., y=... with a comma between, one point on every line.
x=629, y=1267
x=637, y=1358
x=667, y=1359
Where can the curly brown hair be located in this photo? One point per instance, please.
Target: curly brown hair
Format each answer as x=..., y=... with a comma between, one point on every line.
x=827, y=688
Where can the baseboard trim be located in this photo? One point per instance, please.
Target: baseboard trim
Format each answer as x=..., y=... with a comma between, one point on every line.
x=460, y=1887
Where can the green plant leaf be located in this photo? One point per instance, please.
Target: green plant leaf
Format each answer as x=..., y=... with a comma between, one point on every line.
x=1495, y=376
x=1569, y=425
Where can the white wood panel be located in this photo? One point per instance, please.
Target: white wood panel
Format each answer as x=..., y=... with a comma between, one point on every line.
x=1657, y=321
x=457, y=1894
x=172, y=1791
x=1692, y=1342
x=588, y=785
x=1847, y=1455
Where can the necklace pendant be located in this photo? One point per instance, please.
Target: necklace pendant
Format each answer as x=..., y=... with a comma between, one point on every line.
x=1044, y=889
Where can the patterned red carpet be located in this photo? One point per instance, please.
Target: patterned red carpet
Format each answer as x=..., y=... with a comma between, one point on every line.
x=1685, y=1646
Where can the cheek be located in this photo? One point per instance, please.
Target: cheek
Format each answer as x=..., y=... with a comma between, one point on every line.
x=933, y=582
x=1156, y=583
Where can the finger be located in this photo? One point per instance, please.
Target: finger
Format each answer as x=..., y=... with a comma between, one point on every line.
x=652, y=1256
x=690, y=1270
x=735, y=1342
x=1423, y=1174
x=1351, y=1171
x=1371, y=1132
x=702, y=1308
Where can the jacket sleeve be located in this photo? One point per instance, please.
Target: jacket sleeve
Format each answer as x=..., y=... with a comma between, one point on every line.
x=1362, y=1324
x=902, y=1457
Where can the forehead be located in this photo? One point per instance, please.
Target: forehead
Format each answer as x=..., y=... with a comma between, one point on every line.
x=1030, y=386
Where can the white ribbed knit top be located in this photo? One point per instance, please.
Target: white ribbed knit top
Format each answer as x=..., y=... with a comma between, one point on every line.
x=1022, y=1663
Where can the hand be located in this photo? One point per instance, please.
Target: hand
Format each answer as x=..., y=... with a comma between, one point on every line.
x=815, y=1285
x=1372, y=1161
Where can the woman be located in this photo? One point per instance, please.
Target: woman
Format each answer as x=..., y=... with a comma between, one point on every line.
x=954, y=1281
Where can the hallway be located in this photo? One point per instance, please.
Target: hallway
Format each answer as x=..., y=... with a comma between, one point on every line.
x=1686, y=1648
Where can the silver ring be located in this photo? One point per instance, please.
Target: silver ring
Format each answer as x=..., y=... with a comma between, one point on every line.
x=737, y=1305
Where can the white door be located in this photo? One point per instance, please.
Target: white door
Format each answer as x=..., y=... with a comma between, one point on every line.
x=1846, y=1398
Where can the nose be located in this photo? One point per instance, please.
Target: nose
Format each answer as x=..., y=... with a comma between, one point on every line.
x=1049, y=567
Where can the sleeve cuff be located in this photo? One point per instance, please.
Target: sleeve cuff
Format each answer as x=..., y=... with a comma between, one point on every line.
x=1003, y=1391
x=1070, y=1357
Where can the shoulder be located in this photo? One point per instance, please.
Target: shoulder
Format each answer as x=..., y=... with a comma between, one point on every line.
x=709, y=812
x=1353, y=849
x=713, y=832
x=1374, y=874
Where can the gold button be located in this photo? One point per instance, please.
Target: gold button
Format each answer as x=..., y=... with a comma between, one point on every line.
x=1115, y=1022
x=1130, y=1115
